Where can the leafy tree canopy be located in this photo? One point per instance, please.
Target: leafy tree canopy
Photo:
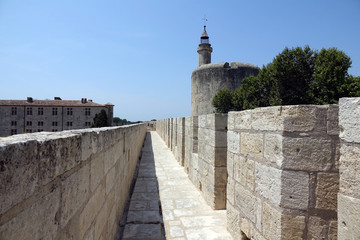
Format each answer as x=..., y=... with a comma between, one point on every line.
x=100, y=119
x=222, y=101
x=295, y=76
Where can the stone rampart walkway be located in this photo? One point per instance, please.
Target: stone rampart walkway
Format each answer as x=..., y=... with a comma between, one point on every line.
x=165, y=204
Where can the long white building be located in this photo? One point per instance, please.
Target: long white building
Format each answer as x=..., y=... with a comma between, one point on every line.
x=32, y=115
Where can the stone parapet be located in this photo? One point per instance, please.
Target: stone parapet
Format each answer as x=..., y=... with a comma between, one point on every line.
x=349, y=192
x=282, y=165
x=67, y=185
x=199, y=144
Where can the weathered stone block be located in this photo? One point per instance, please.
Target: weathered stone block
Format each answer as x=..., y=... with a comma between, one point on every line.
x=244, y=226
x=327, y=189
x=91, y=209
x=307, y=154
x=100, y=222
x=214, y=156
x=292, y=227
x=36, y=222
x=304, y=118
x=348, y=217
x=251, y=144
x=250, y=174
x=268, y=182
x=246, y=202
x=273, y=148
x=230, y=164
x=231, y=121
x=89, y=144
x=212, y=137
x=96, y=171
x=281, y=226
x=19, y=172
x=268, y=119
x=217, y=121
x=75, y=190
x=233, y=142
x=110, y=158
x=233, y=220
x=333, y=230
x=57, y=155
x=242, y=120
x=294, y=190
x=349, y=170
x=271, y=222
x=220, y=176
x=317, y=228
x=333, y=120
x=230, y=190
x=240, y=168
x=349, y=114
x=110, y=180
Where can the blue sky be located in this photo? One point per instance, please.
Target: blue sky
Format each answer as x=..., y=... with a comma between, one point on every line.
x=139, y=54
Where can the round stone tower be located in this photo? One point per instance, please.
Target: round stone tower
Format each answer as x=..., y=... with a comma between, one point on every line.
x=208, y=78
x=204, y=49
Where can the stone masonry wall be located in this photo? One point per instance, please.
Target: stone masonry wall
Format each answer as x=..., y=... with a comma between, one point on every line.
x=212, y=146
x=199, y=144
x=67, y=185
x=283, y=173
x=282, y=169
x=349, y=193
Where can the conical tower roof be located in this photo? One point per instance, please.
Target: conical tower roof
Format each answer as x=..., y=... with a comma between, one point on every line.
x=204, y=34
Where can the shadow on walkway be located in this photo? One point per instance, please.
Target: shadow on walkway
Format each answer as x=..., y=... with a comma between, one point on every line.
x=164, y=201
x=143, y=215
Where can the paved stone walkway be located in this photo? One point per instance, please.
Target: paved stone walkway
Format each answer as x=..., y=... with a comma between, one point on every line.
x=165, y=204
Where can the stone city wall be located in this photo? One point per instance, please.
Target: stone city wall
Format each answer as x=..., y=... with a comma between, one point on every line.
x=199, y=144
x=282, y=168
x=67, y=185
x=349, y=193
x=283, y=173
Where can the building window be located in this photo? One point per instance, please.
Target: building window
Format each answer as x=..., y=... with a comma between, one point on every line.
x=87, y=111
x=54, y=111
x=40, y=130
x=69, y=111
x=29, y=123
x=13, y=111
x=87, y=124
x=40, y=111
x=40, y=123
x=54, y=130
x=54, y=124
x=13, y=123
x=28, y=131
x=13, y=131
x=29, y=111
x=69, y=124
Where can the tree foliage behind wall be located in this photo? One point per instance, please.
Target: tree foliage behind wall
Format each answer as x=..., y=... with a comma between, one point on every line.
x=295, y=76
x=100, y=119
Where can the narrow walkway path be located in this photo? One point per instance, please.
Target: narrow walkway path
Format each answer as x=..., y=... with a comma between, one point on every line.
x=166, y=203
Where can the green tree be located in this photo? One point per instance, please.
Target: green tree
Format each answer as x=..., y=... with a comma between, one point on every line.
x=331, y=80
x=353, y=86
x=116, y=121
x=222, y=101
x=295, y=76
x=100, y=119
x=292, y=72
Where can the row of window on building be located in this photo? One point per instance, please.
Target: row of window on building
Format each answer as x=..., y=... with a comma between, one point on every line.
x=54, y=124
x=29, y=111
x=41, y=124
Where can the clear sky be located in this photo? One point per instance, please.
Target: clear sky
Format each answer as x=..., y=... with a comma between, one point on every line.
x=139, y=54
